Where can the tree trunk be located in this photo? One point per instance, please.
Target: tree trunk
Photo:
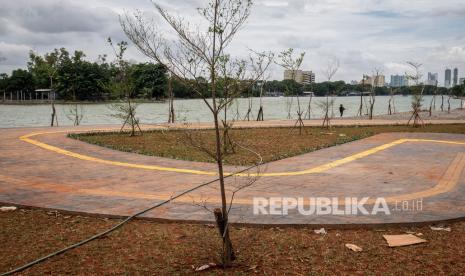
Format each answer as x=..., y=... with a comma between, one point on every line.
x=326, y=122
x=371, y=110
x=389, y=107
x=260, y=111
x=360, y=109
x=431, y=108
x=442, y=102
x=260, y=114
x=171, y=117
x=223, y=229
x=227, y=246
x=53, y=115
x=309, y=108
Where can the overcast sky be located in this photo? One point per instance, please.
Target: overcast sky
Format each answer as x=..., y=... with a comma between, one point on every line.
x=362, y=34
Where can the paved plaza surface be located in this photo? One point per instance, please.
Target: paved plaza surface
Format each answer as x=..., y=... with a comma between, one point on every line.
x=420, y=176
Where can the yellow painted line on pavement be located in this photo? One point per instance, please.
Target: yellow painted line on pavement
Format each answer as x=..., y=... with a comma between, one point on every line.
x=26, y=138
x=319, y=169
x=446, y=184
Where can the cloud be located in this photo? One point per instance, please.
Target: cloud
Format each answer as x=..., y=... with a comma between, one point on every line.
x=13, y=55
x=381, y=13
x=275, y=3
x=55, y=16
x=457, y=52
x=362, y=34
x=397, y=67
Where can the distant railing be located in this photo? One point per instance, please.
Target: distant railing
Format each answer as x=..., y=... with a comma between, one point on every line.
x=38, y=96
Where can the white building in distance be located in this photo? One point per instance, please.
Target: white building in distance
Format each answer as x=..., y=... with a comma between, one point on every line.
x=398, y=81
x=376, y=81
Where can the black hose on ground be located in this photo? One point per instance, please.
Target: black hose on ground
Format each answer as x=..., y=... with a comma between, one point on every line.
x=28, y=265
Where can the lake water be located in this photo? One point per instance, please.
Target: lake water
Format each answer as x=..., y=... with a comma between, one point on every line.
x=195, y=110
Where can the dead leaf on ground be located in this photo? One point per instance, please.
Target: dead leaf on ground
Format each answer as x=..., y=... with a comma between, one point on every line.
x=440, y=228
x=253, y=267
x=206, y=266
x=354, y=247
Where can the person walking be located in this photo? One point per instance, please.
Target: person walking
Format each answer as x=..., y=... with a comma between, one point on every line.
x=341, y=109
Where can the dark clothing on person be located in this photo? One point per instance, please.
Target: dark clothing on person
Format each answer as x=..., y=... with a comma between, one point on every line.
x=341, y=109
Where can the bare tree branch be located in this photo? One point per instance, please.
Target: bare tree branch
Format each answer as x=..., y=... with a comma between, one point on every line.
x=198, y=57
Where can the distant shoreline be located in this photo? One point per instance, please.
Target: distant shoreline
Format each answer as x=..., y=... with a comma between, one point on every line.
x=61, y=102
x=453, y=114
x=69, y=102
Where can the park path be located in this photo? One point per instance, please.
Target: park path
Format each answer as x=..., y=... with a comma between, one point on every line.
x=41, y=167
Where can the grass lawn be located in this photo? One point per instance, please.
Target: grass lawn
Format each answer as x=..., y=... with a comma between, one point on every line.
x=149, y=248
x=271, y=143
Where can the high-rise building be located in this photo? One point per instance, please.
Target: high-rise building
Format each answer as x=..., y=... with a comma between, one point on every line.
x=308, y=77
x=376, y=81
x=380, y=81
x=398, y=81
x=302, y=77
x=456, y=76
x=432, y=79
x=448, y=78
x=462, y=81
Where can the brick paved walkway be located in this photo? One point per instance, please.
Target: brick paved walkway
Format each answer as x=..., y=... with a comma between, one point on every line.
x=426, y=170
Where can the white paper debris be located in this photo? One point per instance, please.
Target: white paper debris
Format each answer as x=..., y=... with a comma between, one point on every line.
x=8, y=208
x=321, y=231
